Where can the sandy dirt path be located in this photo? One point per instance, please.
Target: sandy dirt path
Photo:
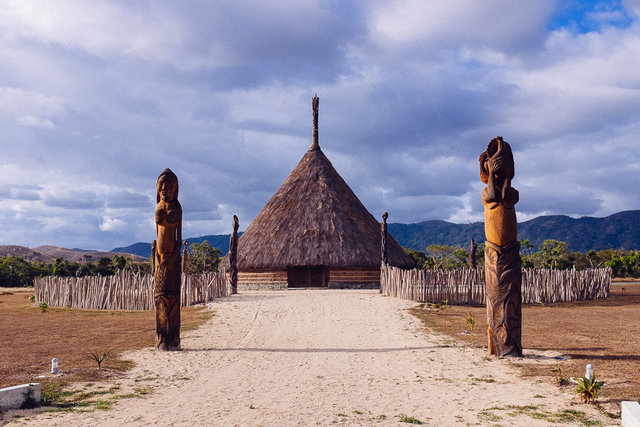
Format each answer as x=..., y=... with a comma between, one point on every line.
x=314, y=357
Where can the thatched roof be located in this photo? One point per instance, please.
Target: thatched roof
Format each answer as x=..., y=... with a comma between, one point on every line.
x=315, y=219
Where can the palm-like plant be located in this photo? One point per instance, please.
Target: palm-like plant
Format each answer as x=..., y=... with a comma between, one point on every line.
x=588, y=388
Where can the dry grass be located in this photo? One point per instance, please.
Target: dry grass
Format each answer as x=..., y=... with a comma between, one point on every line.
x=603, y=333
x=31, y=338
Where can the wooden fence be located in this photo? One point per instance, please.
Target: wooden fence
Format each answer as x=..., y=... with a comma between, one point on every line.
x=124, y=290
x=466, y=286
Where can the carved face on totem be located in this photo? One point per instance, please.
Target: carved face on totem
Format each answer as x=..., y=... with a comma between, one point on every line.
x=496, y=165
x=167, y=187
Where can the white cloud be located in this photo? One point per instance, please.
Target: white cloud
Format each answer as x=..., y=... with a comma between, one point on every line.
x=112, y=224
x=411, y=93
x=28, y=106
x=36, y=122
x=496, y=24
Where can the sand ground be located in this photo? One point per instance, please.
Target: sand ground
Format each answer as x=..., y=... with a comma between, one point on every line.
x=320, y=357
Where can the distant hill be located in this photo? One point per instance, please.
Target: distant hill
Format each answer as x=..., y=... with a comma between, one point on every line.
x=617, y=231
x=49, y=253
x=218, y=241
x=141, y=249
x=24, y=253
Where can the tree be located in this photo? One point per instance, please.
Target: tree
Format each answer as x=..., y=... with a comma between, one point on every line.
x=462, y=256
x=418, y=256
x=103, y=268
x=85, y=270
x=616, y=265
x=118, y=262
x=16, y=272
x=203, y=257
x=438, y=253
x=526, y=255
x=592, y=257
x=550, y=252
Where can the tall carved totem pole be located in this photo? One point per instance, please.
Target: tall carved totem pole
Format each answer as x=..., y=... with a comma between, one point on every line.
x=502, y=250
x=233, y=256
x=167, y=262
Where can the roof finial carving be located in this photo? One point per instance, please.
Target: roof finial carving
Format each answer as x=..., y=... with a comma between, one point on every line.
x=315, y=103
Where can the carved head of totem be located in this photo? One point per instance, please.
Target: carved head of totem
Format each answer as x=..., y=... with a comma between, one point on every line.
x=497, y=162
x=167, y=186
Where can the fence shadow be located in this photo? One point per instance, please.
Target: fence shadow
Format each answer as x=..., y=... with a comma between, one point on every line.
x=315, y=350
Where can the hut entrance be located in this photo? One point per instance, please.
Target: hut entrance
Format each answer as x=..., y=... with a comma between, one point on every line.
x=307, y=277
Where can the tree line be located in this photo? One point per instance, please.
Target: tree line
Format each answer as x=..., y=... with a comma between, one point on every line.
x=551, y=254
x=18, y=272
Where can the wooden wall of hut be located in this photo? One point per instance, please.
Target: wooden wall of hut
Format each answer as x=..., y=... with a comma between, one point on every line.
x=354, y=277
x=262, y=279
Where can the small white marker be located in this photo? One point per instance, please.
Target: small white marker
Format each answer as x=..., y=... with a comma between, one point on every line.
x=589, y=372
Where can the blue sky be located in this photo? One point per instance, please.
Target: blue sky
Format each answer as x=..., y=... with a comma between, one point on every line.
x=96, y=99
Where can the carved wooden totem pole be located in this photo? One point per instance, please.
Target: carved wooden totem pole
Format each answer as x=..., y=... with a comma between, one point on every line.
x=383, y=241
x=233, y=256
x=167, y=262
x=185, y=257
x=502, y=250
x=472, y=254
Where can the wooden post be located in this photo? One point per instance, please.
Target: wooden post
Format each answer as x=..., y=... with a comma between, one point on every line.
x=502, y=251
x=472, y=254
x=185, y=257
x=383, y=241
x=315, y=103
x=233, y=256
x=168, y=265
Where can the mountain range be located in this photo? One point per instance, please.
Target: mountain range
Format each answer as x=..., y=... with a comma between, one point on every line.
x=218, y=241
x=617, y=231
x=48, y=253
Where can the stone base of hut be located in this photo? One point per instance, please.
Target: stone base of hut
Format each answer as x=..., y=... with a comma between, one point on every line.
x=317, y=277
x=370, y=285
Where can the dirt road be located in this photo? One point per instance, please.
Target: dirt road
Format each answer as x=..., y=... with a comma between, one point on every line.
x=314, y=357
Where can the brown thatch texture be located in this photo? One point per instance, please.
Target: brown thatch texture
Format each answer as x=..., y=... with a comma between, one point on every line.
x=315, y=219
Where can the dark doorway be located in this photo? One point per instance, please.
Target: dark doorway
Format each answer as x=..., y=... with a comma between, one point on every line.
x=307, y=277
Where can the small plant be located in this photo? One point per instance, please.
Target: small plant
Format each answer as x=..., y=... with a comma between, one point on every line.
x=103, y=405
x=439, y=305
x=99, y=358
x=52, y=394
x=43, y=306
x=409, y=420
x=471, y=322
x=32, y=298
x=588, y=389
x=560, y=379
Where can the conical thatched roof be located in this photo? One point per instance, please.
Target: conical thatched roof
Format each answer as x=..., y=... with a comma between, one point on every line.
x=314, y=219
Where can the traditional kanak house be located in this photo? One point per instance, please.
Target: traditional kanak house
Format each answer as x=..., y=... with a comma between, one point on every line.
x=314, y=232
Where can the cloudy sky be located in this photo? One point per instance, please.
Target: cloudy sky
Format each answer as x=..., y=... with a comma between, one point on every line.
x=98, y=97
